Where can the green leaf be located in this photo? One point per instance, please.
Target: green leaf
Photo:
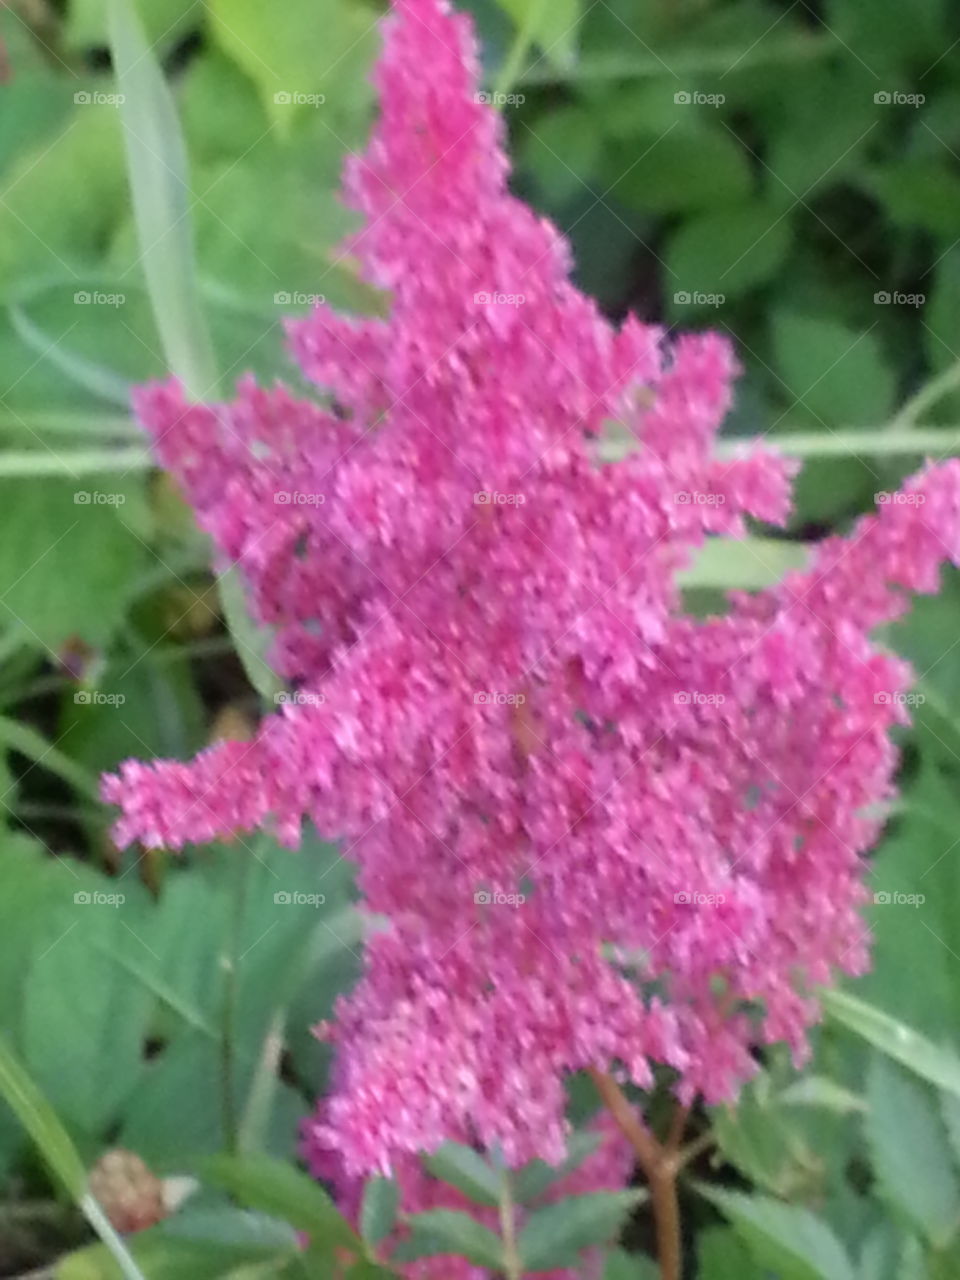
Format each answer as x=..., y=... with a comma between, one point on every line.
x=43, y=235
x=723, y=254
x=911, y=1152
x=832, y=374
x=534, y=1178
x=681, y=170
x=82, y=1007
x=552, y=24
x=40, y=1120
x=252, y=642
x=160, y=187
x=791, y=1240
x=467, y=1170
x=554, y=1236
x=722, y=1255
x=378, y=1209
x=68, y=571
x=939, y=1066
x=631, y=1266
x=283, y=1191
x=439, y=1232
x=303, y=63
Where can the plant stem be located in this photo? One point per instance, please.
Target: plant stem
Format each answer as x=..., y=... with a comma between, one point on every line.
x=660, y=1164
x=926, y=397
x=231, y=993
x=520, y=48
x=512, y=1266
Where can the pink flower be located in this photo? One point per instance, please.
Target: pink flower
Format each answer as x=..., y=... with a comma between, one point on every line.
x=597, y=831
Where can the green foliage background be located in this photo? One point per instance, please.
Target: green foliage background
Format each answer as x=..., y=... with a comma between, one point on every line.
x=763, y=167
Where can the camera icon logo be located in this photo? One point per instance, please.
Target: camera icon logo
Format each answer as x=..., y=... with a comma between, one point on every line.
x=83, y=99
x=482, y=898
x=282, y=499
x=82, y=299
x=282, y=299
x=682, y=299
x=283, y=99
x=882, y=299
x=881, y=899
x=882, y=699
x=681, y=699
x=282, y=898
x=882, y=98
x=82, y=899
x=683, y=898
x=682, y=98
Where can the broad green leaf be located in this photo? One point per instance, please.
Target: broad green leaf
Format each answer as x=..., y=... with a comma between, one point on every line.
x=378, y=1209
x=833, y=374
x=467, y=1170
x=941, y=324
x=303, y=63
x=66, y=574
x=791, y=1240
x=939, y=1066
x=555, y=1235
x=81, y=1006
x=534, y=1178
x=820, y=1091
x=722, y=1255
x=911, y=1153
x=439, y=1232
x=35, y=1113
x=160, y=187
x=723, y=253
x=630, y=1266
x=165, y=1257
x=682, y=170
x=277, y=1188
x=41, y=234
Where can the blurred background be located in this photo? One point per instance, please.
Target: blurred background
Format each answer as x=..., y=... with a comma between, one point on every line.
x=787, y=173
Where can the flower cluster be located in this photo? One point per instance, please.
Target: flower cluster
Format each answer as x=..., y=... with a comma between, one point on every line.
x=643, y=844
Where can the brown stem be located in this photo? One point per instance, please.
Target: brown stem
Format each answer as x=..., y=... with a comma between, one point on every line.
x=659, y=1163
